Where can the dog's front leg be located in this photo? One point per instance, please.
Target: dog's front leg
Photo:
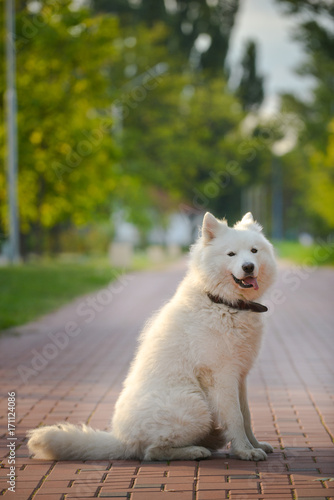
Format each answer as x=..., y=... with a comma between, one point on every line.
x=225, y=399
x=247, y=419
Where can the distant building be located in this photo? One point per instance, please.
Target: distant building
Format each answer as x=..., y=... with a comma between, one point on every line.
x=182, y=230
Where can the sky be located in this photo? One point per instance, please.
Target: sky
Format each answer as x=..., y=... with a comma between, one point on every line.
x=278, y=53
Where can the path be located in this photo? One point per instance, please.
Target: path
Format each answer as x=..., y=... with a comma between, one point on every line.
x=70, y=366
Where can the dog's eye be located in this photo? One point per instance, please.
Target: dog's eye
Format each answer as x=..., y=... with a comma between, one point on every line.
x=254, y=250
x=231, y=254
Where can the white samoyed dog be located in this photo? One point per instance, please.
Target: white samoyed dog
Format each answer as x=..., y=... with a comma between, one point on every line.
x=185, y=394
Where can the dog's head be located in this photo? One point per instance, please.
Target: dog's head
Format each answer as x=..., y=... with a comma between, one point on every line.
x=234, y=262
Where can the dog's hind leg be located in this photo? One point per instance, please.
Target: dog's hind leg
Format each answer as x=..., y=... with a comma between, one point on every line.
x=214, y=440
x=176, y=427
x=182, y=453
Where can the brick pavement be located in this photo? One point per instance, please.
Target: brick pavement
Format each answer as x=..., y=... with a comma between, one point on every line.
x=78, y=378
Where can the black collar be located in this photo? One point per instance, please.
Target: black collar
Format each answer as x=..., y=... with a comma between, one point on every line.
x=242, y=305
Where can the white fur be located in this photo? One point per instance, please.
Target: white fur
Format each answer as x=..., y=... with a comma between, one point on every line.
x=185, y=393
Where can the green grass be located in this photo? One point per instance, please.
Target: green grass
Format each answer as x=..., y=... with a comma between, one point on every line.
x=31, y=290
x=316, y=254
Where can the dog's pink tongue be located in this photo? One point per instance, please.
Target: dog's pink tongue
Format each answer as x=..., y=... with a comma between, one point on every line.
x=251, y=281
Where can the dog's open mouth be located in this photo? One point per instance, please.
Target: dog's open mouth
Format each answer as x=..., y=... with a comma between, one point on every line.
x=247, y=282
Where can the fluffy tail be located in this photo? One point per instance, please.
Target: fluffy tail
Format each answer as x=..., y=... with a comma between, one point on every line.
x=70, y=442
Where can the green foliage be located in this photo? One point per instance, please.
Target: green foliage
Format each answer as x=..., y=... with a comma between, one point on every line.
x=186, y=21
x=308, y=6
x=71, y=75
x=321, y=188
x=312, y=161
x=191, y=144
x=65, y=154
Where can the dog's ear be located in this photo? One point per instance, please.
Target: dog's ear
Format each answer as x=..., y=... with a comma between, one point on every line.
x=248, y=222
x=211, y=226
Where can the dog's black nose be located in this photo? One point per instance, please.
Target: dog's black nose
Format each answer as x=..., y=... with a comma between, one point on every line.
x=248, y=267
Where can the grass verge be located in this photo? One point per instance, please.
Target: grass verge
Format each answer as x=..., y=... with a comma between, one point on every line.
x=31, y=290
x=317, y=254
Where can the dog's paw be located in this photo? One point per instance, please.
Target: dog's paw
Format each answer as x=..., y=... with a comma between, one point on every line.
x=202, y=452
x=255, y=454
x=265, y=447
x=196, y=452
x=181, y=453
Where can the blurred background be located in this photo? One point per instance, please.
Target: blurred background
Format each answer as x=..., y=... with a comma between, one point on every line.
x=135, y=117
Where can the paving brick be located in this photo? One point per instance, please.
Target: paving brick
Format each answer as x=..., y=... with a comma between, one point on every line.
x=179, y=495
x=179, y=487
x=237, y=495
x=117, y=485
x=145, y=486
x=78, y=495
x=315, y=498
x=117, y=494
x=243, y=476
x=51, y=496
x=314, y=492
x=178, y=480
x=212, y=495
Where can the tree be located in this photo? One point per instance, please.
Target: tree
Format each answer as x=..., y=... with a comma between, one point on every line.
x=186, y=21
x=71, y=71
x=308, y=6
x=185, y=138
x=321, y=191
x=315, y=142
x=250, y=88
